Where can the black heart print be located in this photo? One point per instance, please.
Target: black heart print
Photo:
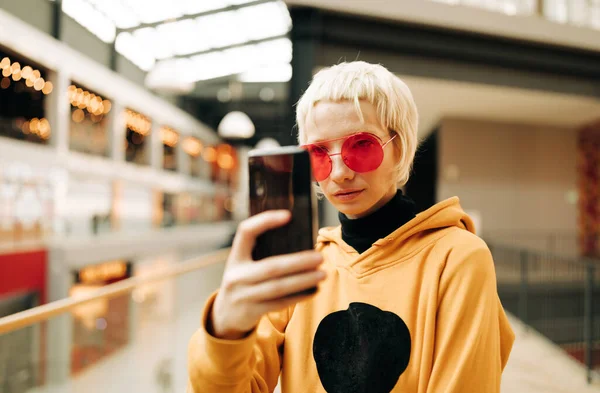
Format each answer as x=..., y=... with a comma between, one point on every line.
x=361, y=350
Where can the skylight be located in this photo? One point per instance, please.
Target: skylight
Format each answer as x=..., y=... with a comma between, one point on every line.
x=186, y=41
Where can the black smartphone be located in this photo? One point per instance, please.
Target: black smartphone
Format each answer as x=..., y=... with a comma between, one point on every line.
x=281, y=178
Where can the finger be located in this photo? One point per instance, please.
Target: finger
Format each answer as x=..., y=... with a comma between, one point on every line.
x=280, y=304
x=282, y=287
x=249, y=229
x=280, y=266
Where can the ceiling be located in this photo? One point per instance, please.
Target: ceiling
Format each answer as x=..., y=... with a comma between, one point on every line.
x=438, y=99
x=180, y=42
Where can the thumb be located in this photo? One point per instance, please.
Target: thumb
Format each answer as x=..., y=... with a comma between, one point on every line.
x=251, y=228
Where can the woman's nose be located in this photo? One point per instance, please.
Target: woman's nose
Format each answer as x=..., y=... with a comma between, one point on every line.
x=339, y=170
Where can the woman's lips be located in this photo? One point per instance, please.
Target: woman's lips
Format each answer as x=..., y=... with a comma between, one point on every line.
x=347, y=195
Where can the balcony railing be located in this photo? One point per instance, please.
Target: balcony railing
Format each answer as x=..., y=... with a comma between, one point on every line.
x=128, y=336
x=555, y=295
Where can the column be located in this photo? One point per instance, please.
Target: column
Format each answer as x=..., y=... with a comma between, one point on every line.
x=57, y=18
x=59, y=330
x=184, y=165
x=240, y=198
x=589, y=190
x=304, y=36
x=306, y=30
x=117, y=132
x=58, y=111
x=155, y=147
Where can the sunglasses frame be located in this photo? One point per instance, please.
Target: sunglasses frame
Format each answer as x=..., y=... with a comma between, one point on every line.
x=308, y=146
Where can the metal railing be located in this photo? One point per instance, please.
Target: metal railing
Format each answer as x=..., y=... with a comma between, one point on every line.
x=144, y=320
x=554, y=295
x=47, y=311
x=560, y=243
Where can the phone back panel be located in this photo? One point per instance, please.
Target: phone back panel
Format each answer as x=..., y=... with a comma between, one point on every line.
x=281, y=179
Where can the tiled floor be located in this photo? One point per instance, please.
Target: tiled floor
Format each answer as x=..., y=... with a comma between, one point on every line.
x=538, y=366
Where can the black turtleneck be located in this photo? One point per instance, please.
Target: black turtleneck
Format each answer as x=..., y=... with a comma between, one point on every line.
x=362, y=232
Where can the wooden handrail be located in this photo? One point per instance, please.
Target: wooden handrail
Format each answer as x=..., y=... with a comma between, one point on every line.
x=43, y=313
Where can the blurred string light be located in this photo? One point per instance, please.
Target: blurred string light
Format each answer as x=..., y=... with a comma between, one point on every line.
x=78, y=115
x=192, y=146
x=222, y=154
x=83, y=99
x=39, y=127
x=31, y=77
x=169, y=136
x=137, y=122
x=210, y=154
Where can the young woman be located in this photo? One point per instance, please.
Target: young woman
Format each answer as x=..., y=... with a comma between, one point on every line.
x=407, y=300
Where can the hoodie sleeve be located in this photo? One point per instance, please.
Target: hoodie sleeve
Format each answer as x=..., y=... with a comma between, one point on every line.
x=473, y=337
x=248, y=365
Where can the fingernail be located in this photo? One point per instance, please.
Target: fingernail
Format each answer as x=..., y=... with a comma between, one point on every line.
x=284, y=214
x=322, y=274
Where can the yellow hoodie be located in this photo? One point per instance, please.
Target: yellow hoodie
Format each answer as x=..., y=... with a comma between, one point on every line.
x=416, y=313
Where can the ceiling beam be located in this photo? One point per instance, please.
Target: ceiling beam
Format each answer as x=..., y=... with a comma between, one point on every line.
x=57, y=19
x=194, y=16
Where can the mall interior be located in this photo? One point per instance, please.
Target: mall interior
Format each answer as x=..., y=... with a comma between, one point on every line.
x=125, y=127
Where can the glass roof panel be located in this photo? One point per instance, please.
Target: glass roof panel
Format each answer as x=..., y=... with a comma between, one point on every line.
x=275, y=13
x=220, y=37
x=95, y=21
x=220, y=30
x=150, y=11
x=126, y=43
x=122, y=16
x=171, y=41
x=190, y=7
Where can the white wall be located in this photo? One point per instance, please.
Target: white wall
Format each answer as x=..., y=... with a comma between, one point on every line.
x=37, y=13
x=521, y=178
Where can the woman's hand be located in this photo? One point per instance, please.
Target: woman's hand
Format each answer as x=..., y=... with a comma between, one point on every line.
x=251, y=289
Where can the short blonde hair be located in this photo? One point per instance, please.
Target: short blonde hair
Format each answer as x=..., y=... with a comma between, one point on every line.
x=356, y=81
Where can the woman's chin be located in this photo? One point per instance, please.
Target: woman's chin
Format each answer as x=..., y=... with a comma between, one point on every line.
x=352, y=207
x=352, y=210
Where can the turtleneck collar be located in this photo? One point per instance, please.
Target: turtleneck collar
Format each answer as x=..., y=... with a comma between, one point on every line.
x=362, y=232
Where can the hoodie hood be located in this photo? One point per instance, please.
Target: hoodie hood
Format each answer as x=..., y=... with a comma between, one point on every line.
x=442, y=216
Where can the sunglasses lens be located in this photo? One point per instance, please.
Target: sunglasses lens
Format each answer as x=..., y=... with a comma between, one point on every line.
x=362, y=153
x=321, y=163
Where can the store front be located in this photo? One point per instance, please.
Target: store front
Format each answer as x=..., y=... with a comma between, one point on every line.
x=137, y=137
x=24, y=88
x=101, y=327
x=89, y=125
x=170, y=140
